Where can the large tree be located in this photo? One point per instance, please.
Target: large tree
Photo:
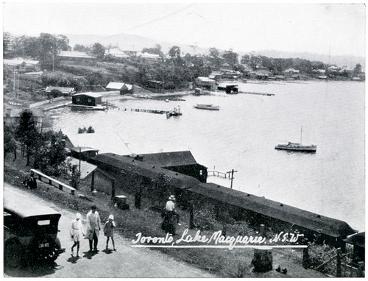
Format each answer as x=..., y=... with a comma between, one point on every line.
x=230, y=57
x=174, y=52
x=27, y=133
x=98, y=50
x=51, y=154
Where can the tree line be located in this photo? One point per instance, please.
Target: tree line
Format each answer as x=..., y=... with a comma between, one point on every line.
x=173, y=70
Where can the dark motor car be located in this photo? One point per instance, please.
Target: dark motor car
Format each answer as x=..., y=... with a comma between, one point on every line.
x=30, y=233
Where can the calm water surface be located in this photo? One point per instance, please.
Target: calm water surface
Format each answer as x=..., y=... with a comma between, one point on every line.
x=243, y=134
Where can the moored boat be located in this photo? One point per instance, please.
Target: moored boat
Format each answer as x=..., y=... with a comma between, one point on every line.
x=291, y=146
x=207, y=106
x=298, y=147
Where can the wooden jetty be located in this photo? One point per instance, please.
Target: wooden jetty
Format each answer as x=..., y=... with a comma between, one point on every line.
x=256, y=93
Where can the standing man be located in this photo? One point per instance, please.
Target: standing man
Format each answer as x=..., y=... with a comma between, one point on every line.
x=93, y=227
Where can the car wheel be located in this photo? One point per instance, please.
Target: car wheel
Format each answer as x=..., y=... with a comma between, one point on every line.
x=13, y=254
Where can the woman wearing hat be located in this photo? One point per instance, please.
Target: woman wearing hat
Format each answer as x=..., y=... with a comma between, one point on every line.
x=76, y=232
x=170, y=216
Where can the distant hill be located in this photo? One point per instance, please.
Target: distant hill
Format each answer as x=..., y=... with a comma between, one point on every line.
x=130, y=42
x=349, y=61
x=136, y=43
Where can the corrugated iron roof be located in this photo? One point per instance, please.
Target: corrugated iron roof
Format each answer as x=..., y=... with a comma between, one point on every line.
x=328, y=226
x=75, y=54
x=90, y=94
x=305, y=219
x=169, y=159
x=118, y=86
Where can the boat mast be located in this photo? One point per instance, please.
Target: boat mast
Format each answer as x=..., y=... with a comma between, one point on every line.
x=301, y=135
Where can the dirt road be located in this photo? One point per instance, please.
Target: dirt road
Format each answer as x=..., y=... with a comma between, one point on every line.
x=125, y=262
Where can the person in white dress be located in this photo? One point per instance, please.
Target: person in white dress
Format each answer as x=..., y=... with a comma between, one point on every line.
x=76, y=232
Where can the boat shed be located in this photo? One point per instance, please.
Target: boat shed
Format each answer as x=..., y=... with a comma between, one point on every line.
x=205, y=82
x=240, y=205
x=179, y=161
x=122, y=87
x=88, y=98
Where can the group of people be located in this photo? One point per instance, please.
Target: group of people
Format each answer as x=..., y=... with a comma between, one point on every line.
x=93, y=226
x=92, y=230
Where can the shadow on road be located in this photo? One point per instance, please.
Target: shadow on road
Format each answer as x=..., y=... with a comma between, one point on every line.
x=73, y=259
x=89, y=254
x=107, y=251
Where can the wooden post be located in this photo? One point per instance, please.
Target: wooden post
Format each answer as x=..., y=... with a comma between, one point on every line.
x=138, y=198
x=191, y=215
x=261, y=229
x=338, y=263
x=112, y=189
x=93, y=181
x=305, y=261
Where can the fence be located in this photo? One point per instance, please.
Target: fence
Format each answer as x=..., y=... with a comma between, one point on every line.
x=53, y=182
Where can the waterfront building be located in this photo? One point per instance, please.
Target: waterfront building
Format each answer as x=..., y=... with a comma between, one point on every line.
x=205, y=82
x=178, y=161
x=87, y=99
x=122, y=87
x=129, y=174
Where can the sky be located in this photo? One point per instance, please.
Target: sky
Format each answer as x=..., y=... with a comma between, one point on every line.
x=335, y=29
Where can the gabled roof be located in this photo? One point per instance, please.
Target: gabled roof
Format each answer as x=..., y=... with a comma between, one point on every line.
x=75, y=54
x=169, y=159
x=90, y=94
x=81, y=149
x=205, y=79
x=86, y=168
x=119, y=86
x=19, y=61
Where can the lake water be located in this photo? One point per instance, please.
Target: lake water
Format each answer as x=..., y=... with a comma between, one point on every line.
x=243, y=134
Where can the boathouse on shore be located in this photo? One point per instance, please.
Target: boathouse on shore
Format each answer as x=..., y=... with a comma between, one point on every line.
x=122, y=87
x=88, y=99
x=132, y=175
x=178, y=161
x=206, y=83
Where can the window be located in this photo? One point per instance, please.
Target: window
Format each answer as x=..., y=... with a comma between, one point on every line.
x=78, y=98
x=89, y=100
x=43, y=222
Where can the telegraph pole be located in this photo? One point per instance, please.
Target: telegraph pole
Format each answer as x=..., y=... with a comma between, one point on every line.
x=231, y=174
